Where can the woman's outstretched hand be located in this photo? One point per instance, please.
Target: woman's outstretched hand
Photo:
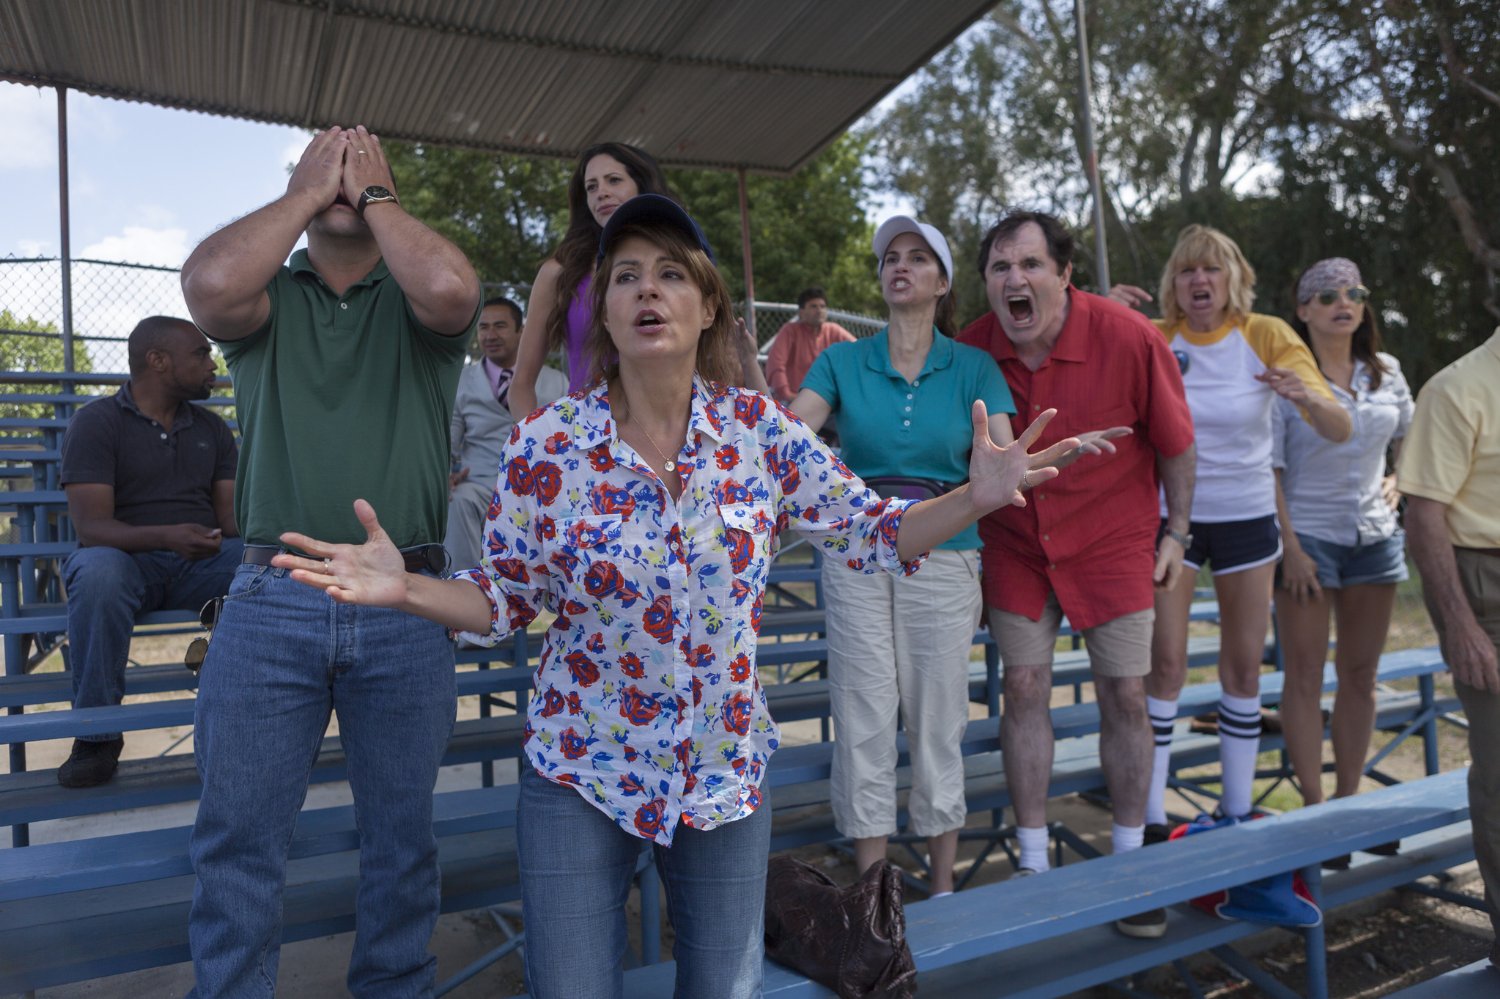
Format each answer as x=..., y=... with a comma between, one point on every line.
x=997, y=475
x=373, y=573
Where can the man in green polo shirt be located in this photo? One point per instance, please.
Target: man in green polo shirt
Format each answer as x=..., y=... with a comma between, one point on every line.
x=345, y=362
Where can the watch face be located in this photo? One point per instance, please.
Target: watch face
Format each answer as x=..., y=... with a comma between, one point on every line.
x=377, y=193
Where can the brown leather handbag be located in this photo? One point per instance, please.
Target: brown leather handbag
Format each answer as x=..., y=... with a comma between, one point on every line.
x=852, y=940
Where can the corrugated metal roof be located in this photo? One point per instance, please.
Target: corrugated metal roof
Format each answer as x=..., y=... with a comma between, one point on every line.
x=762, y=84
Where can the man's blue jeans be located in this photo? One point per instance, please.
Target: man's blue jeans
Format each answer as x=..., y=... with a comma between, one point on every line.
x=108, y=587
x=283, y=657
x=576, y=867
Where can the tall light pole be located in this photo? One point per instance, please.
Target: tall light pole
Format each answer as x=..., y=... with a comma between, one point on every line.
x=1090, y=155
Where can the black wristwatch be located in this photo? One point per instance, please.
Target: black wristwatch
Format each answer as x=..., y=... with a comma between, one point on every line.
x=1185, y=540
x=374, y=195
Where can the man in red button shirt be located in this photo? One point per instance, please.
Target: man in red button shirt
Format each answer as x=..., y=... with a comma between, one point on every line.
x=798, y=343
x=1087, y=543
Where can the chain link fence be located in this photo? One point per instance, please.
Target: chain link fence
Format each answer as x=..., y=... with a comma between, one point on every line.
x=771, y=316
x=108, y=299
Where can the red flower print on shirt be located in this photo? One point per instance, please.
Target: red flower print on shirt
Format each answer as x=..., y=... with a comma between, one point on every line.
x=600, y=460
x=573, y=745
x=558, y=442
x=741, y=545
x=739, y=668
x=548, y=479
x=648, y=818
x=630, y=665
x=737, y=710
x=731, y=491
x=613, y=499
x=585, y=534
x=518, y=477
x=552, y=703
x=749, y=408
x=657, y=620
x=637, y=707
x=727, y=456
x=585, y=671
x=513, y=569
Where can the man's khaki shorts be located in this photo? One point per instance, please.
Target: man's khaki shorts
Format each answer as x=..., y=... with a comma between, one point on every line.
x=1117, y=648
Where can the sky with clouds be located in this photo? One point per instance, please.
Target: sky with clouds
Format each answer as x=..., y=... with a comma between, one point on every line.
x=147, y=183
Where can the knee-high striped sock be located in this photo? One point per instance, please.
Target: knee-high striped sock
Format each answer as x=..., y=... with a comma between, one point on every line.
x=1239, y=744
x=1163, y=714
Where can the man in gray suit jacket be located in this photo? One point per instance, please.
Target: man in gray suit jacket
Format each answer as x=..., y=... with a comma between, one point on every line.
x=481, y=425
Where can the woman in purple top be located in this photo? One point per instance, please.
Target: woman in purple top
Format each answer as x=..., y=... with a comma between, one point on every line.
x=558, y=315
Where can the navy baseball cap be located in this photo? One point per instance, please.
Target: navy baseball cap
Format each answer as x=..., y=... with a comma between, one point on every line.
x=653, y=208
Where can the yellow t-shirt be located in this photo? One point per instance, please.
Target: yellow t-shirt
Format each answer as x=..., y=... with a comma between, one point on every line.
x=1452, y=451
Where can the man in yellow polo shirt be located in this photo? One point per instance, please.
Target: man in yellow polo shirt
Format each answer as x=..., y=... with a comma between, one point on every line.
x=1450, y=472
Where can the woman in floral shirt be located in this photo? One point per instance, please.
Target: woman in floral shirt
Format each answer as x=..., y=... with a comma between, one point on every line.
x=644, y=514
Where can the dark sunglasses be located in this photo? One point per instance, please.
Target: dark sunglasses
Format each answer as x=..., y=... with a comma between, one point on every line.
x=1358, y=294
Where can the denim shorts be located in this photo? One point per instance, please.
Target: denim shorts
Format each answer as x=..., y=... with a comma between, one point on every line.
x=1357, y=565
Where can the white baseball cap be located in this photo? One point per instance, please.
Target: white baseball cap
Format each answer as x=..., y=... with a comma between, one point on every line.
x=896, y=225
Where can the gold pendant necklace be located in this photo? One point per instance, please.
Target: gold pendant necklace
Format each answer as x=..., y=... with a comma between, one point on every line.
x=667, y=463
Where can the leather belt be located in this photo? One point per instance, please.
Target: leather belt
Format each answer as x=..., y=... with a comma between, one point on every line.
x=419, y=558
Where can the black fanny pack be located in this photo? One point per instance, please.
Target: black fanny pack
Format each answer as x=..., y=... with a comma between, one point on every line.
x=909, y=487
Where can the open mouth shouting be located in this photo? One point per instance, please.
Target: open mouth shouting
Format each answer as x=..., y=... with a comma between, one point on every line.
x=1022, y=309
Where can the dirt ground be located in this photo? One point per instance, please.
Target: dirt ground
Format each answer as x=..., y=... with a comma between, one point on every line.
x=1375, y=948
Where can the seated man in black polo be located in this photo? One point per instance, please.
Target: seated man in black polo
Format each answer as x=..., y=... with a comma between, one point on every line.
x=150, y=484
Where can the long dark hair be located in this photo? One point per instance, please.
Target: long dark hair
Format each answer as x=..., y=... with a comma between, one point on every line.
x=580, y=243
x=1364, y=346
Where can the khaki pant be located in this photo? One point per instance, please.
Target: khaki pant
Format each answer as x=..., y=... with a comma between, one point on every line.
x=900, y=643
x=1480, y=576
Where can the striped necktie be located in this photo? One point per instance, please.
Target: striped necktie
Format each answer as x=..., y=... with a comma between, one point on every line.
x=502, y=387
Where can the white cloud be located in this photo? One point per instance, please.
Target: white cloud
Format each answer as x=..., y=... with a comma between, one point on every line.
x=28, y=120
x=138, y=244
x=35, y=248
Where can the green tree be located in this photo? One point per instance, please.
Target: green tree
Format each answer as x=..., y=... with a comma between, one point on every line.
x=505, y=212
x=30, y=345
x=806, y=229
x=508, y=213
x=1303, y=128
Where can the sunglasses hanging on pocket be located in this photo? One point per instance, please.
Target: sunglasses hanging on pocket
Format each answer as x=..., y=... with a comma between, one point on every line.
x=197, y=649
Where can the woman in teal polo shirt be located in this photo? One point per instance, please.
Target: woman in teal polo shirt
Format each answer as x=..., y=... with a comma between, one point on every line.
x=902, y=398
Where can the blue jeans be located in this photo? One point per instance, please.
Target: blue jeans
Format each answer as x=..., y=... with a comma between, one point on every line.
x=576, y=868
x=108, y=587
x=282, y=658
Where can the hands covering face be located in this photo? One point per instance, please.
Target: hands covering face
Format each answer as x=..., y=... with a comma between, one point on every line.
x=338, y=165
